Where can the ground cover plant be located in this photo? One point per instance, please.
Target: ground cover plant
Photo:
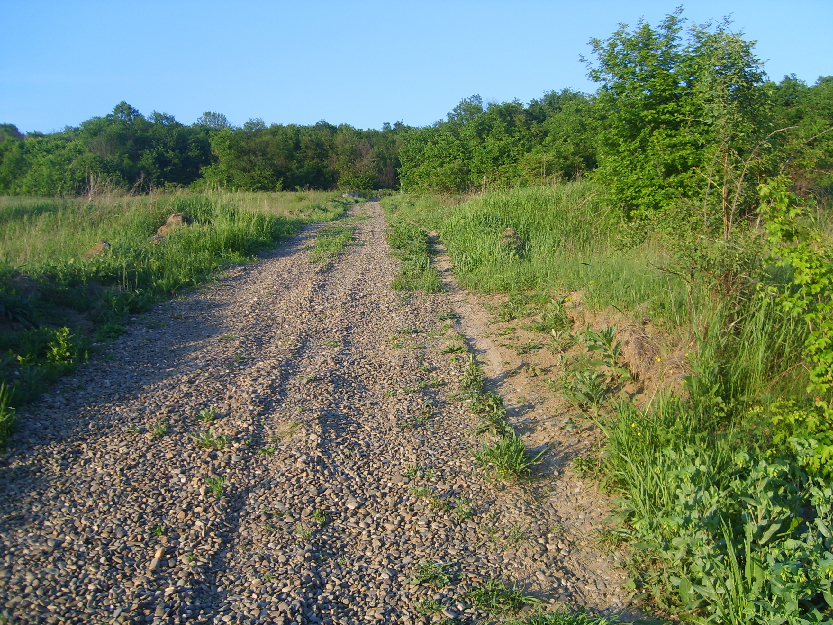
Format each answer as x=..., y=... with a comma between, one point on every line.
x=410, y=244
x=61, y=291
x=728, y=477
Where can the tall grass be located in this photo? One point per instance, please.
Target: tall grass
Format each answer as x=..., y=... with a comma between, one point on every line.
x=569, y=244
x=727, y=515
x=54, y=302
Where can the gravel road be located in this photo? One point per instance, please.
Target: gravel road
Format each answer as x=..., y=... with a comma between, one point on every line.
x=340, y=464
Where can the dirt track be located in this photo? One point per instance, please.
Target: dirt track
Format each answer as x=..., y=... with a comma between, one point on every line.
x=346, y=465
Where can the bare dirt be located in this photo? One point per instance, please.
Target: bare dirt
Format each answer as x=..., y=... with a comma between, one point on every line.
x=341, y=464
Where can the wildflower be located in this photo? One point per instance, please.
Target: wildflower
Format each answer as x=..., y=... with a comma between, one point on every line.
x=633, y=425
x=659, y=359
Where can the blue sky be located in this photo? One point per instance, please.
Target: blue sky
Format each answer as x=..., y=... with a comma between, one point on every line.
x=359, y=62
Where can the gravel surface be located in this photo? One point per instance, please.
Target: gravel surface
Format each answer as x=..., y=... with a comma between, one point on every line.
x=340, y=463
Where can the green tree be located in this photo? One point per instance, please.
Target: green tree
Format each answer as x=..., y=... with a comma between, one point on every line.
x=682, y=120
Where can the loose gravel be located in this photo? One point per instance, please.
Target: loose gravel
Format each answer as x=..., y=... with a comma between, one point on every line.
x=336, y=460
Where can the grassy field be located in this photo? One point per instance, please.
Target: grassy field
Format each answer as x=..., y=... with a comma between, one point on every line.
x=57, y=300
x=567, y=239
x=724, y=489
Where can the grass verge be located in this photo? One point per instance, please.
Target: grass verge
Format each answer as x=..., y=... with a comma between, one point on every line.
x=411, y=245
x=61, y=294
x=724, y=482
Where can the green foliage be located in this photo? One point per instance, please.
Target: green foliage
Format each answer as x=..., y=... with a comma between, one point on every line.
x=128, y=151
x=7, y=416
x=54, y=301
x=410, y=244
x=683, y=119
x=496, y=597
x=501, y=145
x=216, y=484
x=508, y=458
x=434, y=574
x=805, y=250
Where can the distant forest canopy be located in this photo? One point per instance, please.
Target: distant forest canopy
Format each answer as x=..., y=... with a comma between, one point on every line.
x=136, y=152
x=679, y=113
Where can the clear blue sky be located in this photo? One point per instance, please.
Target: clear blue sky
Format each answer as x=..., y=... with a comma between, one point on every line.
x=359, y=62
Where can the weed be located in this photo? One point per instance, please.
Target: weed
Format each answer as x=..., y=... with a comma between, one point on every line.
x=449, y=315
x=332, y=343
x=160, y=428
x=343, y=561
x=268, y=577
x=208, y=440
x=439, y=503
x=217, y=485
x=453, y=349
x=508, y=458
x=158, y=531
x=472, y=379
x=586, y=466
x=602, y=343
x=319, y=517
x=553, y=318
x=133, y=429
x=303, y=532
x=463, y=509
x=434, y=574
x=428, y=607
x=419, y=491
x=428, y=474
x=515, y=534
x=207, y=415
x=227, y=337
x=411, y=471
x=267, y=451
x=489, y=407
x=587, y=389
x=495, y=597
x=529, y=346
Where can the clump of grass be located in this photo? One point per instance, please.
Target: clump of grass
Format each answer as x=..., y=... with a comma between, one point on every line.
x=428, y=607
x=208, y=440
x=159, y=429
x=207, y=415
x=434, y=574
x=330, y=242
x=472, y=380
x=508, y=458
x=564, y=617
x=216, y=484
x=410, y=244
x=496, y=597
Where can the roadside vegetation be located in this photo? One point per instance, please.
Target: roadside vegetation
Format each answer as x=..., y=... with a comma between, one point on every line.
x=718, y=233
x=72, y=271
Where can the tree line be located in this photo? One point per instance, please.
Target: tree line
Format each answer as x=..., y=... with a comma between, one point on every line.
x=128, y=150
x=681, y=113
